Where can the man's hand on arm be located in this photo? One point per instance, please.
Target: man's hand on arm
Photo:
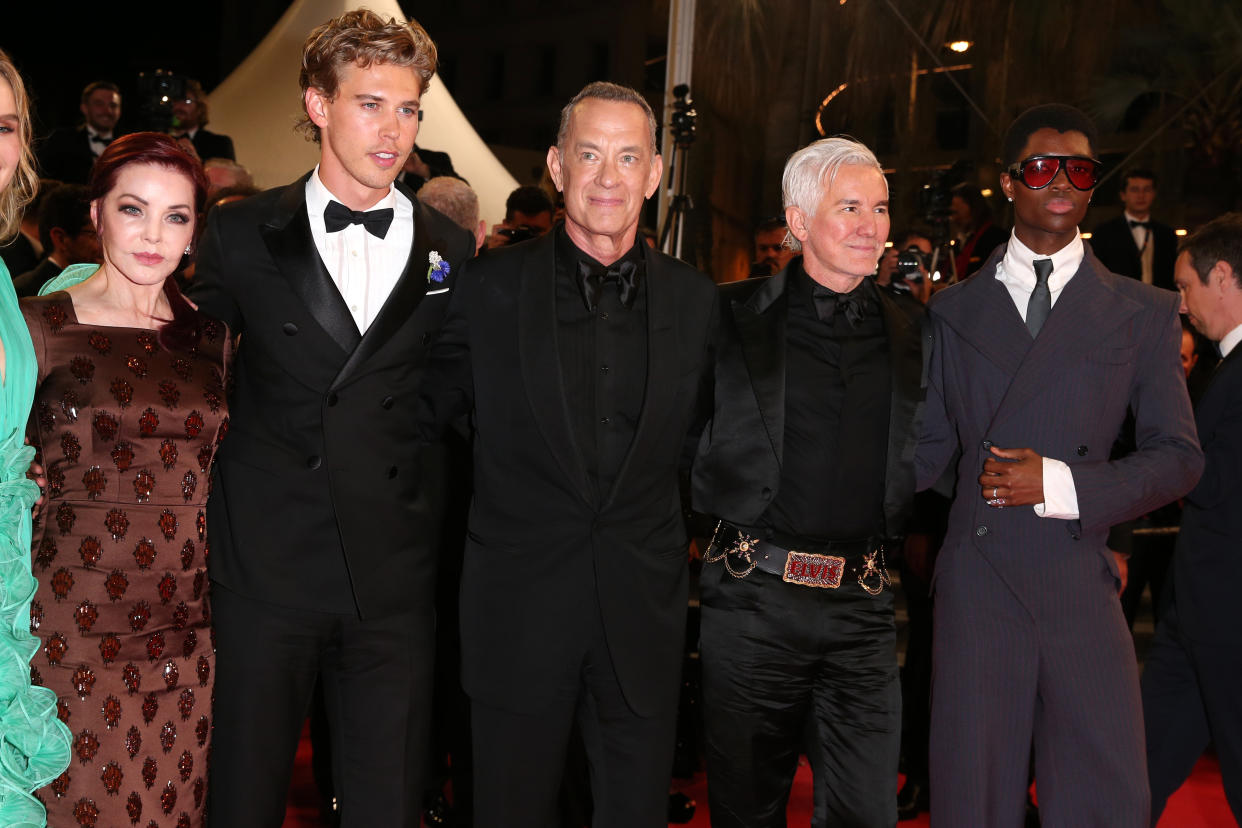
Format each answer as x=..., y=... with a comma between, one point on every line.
x=1012, y=477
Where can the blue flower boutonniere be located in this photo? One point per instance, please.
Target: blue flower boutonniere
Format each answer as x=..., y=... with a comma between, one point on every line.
x=437, y=268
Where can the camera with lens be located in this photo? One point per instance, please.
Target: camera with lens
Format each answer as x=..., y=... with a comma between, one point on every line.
x=157, y=91
x=521, y=233
x=912, y=263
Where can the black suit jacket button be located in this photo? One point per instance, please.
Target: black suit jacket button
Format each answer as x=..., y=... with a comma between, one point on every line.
x=392, y=472
x=766, y=493
x=987, y=444
x=386, y=403
x=332, y=400
x=981, y=530
x=289, y=328
x=426, y=338
x=314, y=461
x=1082, y=451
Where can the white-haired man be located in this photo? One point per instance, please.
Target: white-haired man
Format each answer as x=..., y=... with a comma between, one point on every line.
x=808, y=466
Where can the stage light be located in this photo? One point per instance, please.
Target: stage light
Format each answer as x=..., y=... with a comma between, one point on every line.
x=959, y=46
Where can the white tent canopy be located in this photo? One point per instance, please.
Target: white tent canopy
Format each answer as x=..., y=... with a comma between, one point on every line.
x=259, y=103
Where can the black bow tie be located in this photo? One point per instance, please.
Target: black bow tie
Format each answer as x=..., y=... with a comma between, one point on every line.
x=336, y=217
x=1136, y=223
x=99, y=139
x=591, y=281
x=828, y=303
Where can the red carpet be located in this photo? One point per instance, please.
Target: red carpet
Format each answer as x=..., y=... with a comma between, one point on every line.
x=1200, y=803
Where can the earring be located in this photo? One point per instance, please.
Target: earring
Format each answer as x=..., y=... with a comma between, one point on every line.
x=187, y=247
x=1011, y=198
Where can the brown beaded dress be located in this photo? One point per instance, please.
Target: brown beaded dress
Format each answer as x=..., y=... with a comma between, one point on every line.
x=126, y=430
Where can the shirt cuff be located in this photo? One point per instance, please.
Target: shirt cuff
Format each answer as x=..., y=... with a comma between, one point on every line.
x=1060, y=496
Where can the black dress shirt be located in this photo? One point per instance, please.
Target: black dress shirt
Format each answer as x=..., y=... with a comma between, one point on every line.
x=603, y=361
x=838, y=387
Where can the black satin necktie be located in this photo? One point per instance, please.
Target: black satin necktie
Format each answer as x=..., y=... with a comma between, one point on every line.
x=336, y=217
x=591, y=280
x=1040, y=304
x=828, y=303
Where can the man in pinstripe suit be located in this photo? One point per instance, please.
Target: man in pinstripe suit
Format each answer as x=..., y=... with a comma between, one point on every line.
x=1036, y=360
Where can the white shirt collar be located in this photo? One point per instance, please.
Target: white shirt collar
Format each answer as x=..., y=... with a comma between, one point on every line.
x=1229, y=341
x=318, y=195
x=1018, y=265
x=90, y=130
x=1131, y=217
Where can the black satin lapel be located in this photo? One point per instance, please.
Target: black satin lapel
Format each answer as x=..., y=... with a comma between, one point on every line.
x=761, y=329
x=1085, y=313
x=293, y=250
x=905, y=356
x=663, y=365
x=542, y=376
x=404, y=299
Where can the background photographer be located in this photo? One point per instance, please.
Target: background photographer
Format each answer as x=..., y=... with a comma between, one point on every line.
x=528, y=215
x=904, y=266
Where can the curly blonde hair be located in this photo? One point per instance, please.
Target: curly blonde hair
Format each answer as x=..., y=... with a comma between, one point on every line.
x=361, y=37
x=21, y=190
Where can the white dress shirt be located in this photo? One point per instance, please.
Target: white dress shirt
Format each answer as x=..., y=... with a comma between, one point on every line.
x=364, y=267
x=1016, y=271
x=97, y=148
x=1229, y=341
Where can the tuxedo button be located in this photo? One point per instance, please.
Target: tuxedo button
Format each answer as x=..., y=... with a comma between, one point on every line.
x=386, y=403
x=987, y=444
x=289, y=328
x=314, y=461
x=392, y=472
x=981, y=530
x=766, y=494
x=605, y=420
x=1082, y=451
x=603, y=369
x=332, y=400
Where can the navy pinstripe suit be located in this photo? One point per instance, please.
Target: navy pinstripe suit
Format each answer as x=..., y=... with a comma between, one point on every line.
x=1030, y=642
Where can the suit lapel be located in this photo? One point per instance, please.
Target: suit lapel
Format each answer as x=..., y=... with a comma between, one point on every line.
x=542, y=374
x=662, y=367
x=905, y=356
x=761, y=330
x=1086, y=312
x=982, y=313
x=289, y=241
x=404, y=299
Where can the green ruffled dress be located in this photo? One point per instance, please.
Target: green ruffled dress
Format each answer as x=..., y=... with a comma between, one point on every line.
x=34, y=744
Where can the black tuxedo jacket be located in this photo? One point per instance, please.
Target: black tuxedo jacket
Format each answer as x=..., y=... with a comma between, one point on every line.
x=737, y=471
x=547, y=556
x=65, y=155
x=213, y=145
x=1113, y=244
x=323, y=498
x=1207, y=566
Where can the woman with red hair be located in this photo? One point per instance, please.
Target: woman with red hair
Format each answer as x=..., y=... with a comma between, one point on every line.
x=129, y=411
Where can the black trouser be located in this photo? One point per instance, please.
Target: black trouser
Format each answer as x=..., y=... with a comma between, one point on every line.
x=786, y=664
x=520, y=756
x=376, y=678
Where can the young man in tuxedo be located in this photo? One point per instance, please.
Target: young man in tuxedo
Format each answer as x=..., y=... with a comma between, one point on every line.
x=579, y=356
x=190, y=121
x=807, y=462
x=1193, y=678
x=325, y=508
x=1036, y=360
x=67, y=155
x=1134, y=244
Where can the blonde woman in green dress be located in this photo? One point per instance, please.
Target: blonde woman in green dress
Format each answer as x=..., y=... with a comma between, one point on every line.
x=34, y=744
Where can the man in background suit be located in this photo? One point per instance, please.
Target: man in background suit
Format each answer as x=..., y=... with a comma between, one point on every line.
x=1035, y=362
x=68, y=155
x=1134, y=244
x=190, y=121
x=807, y=462
x=579, y=356
x=67, y=234
x=1192, y=682
x=325, y=510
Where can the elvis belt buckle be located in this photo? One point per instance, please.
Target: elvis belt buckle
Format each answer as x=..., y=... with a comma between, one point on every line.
x=807, y=569
x=801, y=568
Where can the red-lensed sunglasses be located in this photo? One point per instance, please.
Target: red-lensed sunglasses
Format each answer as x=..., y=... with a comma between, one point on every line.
x=1038, y=171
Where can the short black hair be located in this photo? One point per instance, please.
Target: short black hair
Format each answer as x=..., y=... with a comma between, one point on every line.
x=530, y=200
x=1220, y=240
x=770, y=223
x=94, y=86
x=68, y=207
x=1138, y=172
x=1060, y=117
x=980, y=210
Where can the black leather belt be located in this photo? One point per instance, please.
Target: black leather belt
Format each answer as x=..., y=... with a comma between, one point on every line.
x=826, y=567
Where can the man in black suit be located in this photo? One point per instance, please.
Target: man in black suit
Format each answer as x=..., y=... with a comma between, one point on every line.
x=1193, y=679
x=580, y=356
x=69, y=154
x=1037, y=358
x=807, y=462
x=1134, y=244
x=190, y=121
x=67, y=235
x=324, y=516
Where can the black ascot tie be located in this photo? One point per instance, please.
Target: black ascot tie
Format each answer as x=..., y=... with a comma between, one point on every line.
x=829, y=305
x=336, y=217
x=591, y=280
